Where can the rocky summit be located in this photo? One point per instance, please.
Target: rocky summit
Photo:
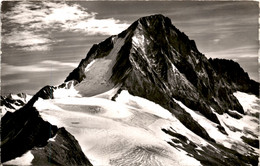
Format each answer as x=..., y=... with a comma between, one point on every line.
x=146, y=96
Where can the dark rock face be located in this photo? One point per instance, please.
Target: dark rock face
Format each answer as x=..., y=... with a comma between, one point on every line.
x=194, y=81
x=23, y=130
x=235, y=76
x=6, y=102
x=45, y=93
x=9, y=100
x=63, y=150
x=251, y=142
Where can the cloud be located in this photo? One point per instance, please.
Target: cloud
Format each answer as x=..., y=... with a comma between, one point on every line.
x=233, y=53
x=43, y=66
x=29, y=25
x=12, y=69
x=14, y=82
x=216, y=40
x=104, y=26
x=60, y=64
x=28, y=40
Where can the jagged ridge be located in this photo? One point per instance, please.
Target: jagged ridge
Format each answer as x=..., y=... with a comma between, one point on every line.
x=25, y=130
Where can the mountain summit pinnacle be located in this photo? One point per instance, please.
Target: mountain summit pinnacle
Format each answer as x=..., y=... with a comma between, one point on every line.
x=161, y=26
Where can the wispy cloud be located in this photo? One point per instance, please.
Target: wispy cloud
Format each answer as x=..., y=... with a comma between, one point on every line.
x=31, y=23
x=11, y=69
x=43, y=66
x=14, y=82
x=239, y=52
x=28, y=40
x=59, y=64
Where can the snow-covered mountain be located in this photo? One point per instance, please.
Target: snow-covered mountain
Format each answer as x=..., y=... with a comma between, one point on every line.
x=146, y=96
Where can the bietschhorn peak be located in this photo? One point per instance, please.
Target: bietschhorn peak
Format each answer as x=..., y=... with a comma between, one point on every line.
x=155, y=60
x=160, y=23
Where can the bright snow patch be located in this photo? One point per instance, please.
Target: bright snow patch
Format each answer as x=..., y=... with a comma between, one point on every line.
x=97, y=78
x=15, y=97
x=250, y=121
x=108, y=94
x=144, y=104
x=139, y=40
x=89, y=66
x=247, y=126
x=26, y=99
x=25, y=159
x=63, y=92
x=52, y=139
x=250, y=103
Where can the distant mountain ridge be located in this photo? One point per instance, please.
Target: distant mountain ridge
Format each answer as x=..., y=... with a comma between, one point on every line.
x=154, y=60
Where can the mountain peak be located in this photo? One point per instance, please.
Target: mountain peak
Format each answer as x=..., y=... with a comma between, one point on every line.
x=154, y=18
x=152, y=59
x=159, y=24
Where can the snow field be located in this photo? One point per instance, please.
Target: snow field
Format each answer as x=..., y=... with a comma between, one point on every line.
x=108, y=130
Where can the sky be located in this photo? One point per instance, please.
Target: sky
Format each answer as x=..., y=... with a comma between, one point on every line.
x=42, y=42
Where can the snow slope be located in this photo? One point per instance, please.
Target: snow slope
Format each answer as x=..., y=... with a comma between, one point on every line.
x=99, y=71
x=247, y=126
x=121, y=132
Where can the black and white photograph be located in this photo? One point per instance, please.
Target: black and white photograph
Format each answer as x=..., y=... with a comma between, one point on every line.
x=130, y=83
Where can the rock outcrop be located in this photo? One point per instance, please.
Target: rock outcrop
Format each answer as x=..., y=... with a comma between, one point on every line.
x=25, y=130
